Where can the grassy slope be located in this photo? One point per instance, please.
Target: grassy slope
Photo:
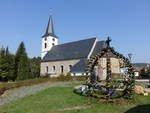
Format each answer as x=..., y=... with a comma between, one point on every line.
x=6, y=86
x=53, y=100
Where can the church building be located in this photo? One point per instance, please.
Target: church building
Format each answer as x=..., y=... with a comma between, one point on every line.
x=70, y=57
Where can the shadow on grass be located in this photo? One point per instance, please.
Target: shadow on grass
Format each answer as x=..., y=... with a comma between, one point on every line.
x=140, y=109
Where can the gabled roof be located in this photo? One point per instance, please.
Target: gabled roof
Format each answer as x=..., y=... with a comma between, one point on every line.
x=98, y=47
x=50, y=28
x=79, y=67
x=72, y=50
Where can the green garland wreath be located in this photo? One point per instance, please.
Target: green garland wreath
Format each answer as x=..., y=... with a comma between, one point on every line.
x=128, y=82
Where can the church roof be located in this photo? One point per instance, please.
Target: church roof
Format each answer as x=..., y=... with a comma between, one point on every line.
x=80, y=67
x=73, y=50
x=98, y=47
x=50, y=28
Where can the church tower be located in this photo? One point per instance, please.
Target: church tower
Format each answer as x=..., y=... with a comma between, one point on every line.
x=49, y=39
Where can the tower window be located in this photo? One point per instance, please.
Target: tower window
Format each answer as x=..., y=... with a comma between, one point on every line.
x=45, y=45
x=62, y=69
x=53, y=39
x=47, y=69
x=54, y=68
x=45, y=38
x=53, y=44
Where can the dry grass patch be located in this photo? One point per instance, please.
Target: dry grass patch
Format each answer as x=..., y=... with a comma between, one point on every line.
x=76, y=107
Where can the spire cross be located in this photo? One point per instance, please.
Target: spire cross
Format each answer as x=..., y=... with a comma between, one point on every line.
x=51, y=10
x=108, y=41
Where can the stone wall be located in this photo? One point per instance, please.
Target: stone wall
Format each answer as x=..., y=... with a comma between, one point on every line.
x=115, y=66
x=58, y=66
x=48, y=67
x=102, y=68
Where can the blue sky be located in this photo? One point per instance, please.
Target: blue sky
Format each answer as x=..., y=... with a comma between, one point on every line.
x=127, y=22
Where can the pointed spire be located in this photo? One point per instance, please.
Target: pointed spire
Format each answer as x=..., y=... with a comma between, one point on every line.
x=50, y=28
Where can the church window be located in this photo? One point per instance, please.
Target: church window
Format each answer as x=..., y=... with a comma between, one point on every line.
x=53, y=39
x=70, y=66
x=45, y=45
x=62, y=69
x=53, y=44
x=47, y=69
x=54, y=68
x=45, y=38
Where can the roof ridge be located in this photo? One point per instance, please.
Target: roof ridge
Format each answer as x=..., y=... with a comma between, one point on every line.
x=92, y=48
x=101, y=41
x=76, y=41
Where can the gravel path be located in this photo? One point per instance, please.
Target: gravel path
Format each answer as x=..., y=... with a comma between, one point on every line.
x=17, y=93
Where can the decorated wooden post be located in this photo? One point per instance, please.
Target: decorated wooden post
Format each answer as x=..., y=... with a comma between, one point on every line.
x=108, y=78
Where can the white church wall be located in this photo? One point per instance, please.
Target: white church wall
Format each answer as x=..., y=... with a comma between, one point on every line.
x=65, y=63
x=66, y=67
x=49, y=41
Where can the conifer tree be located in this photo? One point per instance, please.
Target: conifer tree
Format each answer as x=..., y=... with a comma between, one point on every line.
x=20, y=51
x=22, y=66
x=3, y=64
x=6, y=65
x=10, y=65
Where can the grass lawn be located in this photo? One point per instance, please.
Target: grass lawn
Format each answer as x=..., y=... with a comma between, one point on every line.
x=54, y=100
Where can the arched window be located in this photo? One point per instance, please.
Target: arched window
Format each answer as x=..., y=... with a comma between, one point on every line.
x=46, y=69
x=62, y=69
x=53, y=39
x=53, y=44
x=70, y=66
x=54, y=68
x=45, y=45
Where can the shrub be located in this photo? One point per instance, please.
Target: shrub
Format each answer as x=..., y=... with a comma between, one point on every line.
x=80, y=78
x=45, y=76
x=68, y=76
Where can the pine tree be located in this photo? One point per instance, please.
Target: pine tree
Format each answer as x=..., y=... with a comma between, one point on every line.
x=3, y=65
x=11, y=63
x=20, y=51
x=6, y=65
x=22, y=66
